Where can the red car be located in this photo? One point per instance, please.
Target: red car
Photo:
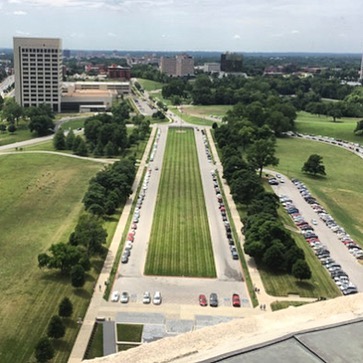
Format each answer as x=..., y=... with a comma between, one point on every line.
x=236, y=302
x=203, y=300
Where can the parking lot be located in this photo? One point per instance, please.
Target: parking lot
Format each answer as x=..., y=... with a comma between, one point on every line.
x=323, y=234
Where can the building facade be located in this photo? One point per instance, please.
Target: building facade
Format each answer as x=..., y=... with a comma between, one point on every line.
x=38, y=71
x=179, y=66
x=231, y=62
x=118, y=72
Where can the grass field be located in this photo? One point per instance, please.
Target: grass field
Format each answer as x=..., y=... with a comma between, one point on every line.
x=307, y=123
x=22, y=133
x=340, y=191
x=129, y=332
x=74, y=124
x=95, y=345
x=40, y=203
x=194, y=120
x=148, y=85
x=279, y=305
x=180, y=243
x=215, y=110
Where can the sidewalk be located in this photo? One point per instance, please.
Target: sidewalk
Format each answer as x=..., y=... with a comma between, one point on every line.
x=262, y=296
x=80, y=345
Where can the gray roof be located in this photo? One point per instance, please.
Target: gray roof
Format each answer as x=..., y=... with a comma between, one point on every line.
x=338, y=343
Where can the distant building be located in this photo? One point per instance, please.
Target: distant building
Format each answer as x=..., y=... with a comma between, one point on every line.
x=66, y=53
x=118, y=72
x=231, y=62
x=212, y=67
x=38, y=71
x=81, y=96
x=179, y=66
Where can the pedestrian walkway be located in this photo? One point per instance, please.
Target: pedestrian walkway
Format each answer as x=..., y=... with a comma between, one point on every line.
x=84, y=334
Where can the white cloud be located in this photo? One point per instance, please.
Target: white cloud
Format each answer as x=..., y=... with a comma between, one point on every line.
x=20, y=32
x=295, y=32
x=110, y=34
x=236, y=36
x=19, y=12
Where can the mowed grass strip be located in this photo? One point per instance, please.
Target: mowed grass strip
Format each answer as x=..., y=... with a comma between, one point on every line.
x=180, y=242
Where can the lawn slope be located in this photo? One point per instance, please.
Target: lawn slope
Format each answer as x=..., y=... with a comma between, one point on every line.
x=40, y=203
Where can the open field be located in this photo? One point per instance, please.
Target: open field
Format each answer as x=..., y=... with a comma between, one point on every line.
x=215, y=110
x=340, y=192
x=74, y=124
x=22, y=133
x=307, y=123
x=40, y=204
x=193, y=120
x=148, y=85
x=278, y=305
x=180, y=242
x=129, y=332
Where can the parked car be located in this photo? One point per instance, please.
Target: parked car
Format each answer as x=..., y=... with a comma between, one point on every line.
x=157, y=298
x=115, y=296
x=124, y=298
x=203, y=300
x=236, y=302
x=213, y=300
x=146, y=299
x=124, y=258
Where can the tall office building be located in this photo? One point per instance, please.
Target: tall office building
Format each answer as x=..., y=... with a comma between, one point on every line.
x=231, y=62
x=38, y=71
x=179, y=66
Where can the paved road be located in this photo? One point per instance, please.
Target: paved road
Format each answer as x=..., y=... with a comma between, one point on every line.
x=337, y=249
x=182, y=290
x=6, y=83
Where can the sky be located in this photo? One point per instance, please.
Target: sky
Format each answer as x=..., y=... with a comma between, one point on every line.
x=197, y=25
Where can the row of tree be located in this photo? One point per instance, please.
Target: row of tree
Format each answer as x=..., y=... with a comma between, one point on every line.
x=110, y=188
x=265, y=237
x=73, y=258
x=44, y=350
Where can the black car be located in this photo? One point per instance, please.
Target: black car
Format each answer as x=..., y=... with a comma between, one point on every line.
x=213, y=300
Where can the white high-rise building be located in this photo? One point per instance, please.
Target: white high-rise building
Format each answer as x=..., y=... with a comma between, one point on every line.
x=179, y=66
x=38, y=71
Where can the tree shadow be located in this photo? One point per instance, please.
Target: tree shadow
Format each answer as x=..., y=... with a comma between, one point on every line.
x=82, y=293
x=55, y=277
x=62, y=345
x=305, y=285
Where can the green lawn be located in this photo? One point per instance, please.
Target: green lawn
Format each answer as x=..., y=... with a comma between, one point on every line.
x=148, y=85
x=279, y=305
x=22, y=133
x=74, y=124
x=215, y=110
x=95, y=346
x=180, y=243
x=129, y=332
x=194, y=120
x=40, y=204
x=307, y=123
x=340, y=191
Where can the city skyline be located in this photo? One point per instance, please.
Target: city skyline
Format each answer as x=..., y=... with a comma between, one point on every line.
x=167, y=25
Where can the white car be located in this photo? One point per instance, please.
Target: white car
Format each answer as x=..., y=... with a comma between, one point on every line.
x=157, y=298
x=146, y=298
x=115, y=296
x=124, y=298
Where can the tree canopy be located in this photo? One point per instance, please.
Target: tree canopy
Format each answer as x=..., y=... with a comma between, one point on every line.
x=314, y=165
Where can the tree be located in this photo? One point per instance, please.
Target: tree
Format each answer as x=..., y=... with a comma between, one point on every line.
x=44, y=350
x=65, y=308
x=314, y=165
x=56, y=328
x=11, y=128
x=81, y=149
x=11, y=110
x=301, y=270
x=78, y=277
x=262, y=153
x=41, y=124
x=274, y=257
x=59, y=141
x=359, y=128
x=2, y=128
x=335, y=110
x=70, y=140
